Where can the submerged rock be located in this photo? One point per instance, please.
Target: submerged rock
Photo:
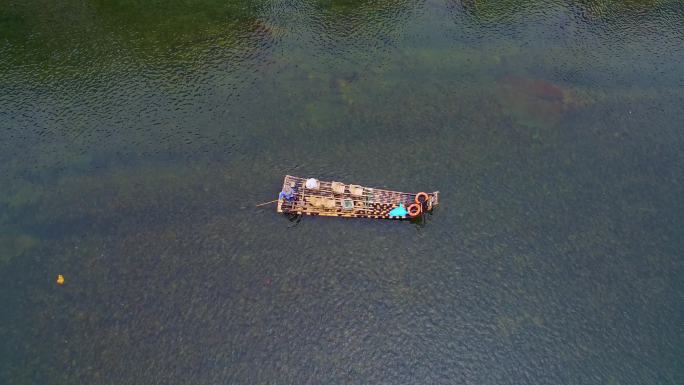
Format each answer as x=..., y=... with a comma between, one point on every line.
x=535, y=102
x=535, y=88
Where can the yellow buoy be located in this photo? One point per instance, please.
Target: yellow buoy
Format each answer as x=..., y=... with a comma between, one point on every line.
x=60, y=279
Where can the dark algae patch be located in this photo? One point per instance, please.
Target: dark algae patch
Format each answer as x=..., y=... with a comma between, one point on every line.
x=136, y=138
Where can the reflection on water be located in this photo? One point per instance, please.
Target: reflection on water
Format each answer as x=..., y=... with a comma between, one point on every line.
x=135, y=139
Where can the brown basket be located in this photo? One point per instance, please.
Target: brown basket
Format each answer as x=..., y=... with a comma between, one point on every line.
x=337, y=187
x=355, y=190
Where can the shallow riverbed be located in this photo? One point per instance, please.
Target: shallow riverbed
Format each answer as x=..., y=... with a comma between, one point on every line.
x=136, y=139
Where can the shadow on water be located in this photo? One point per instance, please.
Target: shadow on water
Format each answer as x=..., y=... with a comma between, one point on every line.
x=136, y=138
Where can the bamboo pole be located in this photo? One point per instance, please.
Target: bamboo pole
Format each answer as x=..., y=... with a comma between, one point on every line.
x=267, y=203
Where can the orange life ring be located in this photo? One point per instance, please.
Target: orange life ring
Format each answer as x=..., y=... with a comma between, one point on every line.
x=421, y=194
x=414, y=210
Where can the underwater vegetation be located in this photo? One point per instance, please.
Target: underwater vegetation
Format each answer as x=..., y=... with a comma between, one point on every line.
x=12, y=246
x=136, y=138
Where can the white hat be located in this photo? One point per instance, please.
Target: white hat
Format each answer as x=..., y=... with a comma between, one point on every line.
x=312, y=184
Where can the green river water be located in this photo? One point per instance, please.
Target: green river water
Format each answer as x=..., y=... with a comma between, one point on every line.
x=137, y=136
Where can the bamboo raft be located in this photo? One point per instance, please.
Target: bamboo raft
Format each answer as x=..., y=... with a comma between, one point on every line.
x=336, y=199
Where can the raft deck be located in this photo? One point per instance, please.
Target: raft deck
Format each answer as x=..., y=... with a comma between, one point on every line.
x=354, y=202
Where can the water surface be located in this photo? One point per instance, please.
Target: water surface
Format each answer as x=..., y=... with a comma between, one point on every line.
x=135, y=139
